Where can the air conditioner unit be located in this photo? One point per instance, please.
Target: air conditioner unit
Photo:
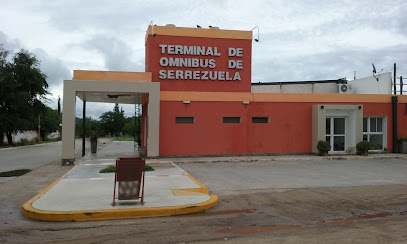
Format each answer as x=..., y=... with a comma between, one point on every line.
x=343, y=88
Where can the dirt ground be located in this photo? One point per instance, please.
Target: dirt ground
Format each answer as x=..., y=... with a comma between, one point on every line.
x=365, y=214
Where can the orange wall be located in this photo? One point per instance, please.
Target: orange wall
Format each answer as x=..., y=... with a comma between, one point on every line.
x=402, y=120
x=289, y=130
x=153, y=55
x=111, y=75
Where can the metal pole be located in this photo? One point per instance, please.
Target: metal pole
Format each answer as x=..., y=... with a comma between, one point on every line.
x=394, y=112
x=394, y=79
x=401, y=85
x=83, y=128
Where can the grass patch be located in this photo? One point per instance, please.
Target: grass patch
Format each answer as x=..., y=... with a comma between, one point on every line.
x=13, y=173
x=123, y=138
x=149, y=168
x=112, y=169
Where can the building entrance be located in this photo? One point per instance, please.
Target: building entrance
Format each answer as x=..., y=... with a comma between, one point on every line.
x=335, y=133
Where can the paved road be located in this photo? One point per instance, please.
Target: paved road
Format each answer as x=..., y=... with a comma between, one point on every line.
x=32, y=157
x=29, y=157
x=300, y=174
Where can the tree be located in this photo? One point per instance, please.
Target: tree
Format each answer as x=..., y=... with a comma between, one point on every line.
x=132, y=127
x=49, y=121
x=92, y=127
x=23, y=87
x=113, y=121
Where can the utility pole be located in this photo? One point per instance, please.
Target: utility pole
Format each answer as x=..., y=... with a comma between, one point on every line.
x=39, y=128
x=394, y=81
x=401, y=85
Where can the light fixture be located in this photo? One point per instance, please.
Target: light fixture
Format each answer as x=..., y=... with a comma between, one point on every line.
x=258, y=34
x=246, y=102
x=186, y=102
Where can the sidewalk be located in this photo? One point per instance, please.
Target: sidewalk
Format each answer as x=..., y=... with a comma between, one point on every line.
x=85, y=194
x=283, y=158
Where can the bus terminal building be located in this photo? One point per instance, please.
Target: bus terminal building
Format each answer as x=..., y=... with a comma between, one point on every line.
x=198, y=99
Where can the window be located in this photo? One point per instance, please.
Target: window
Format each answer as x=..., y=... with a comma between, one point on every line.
x=260, y=120
x=374, y=132
x=184, y=120
x=231, y=120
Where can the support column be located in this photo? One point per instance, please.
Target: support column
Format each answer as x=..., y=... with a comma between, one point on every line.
x=68, y=125
x=153, y=120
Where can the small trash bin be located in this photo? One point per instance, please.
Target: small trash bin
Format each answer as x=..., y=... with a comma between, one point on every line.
x=129, y=174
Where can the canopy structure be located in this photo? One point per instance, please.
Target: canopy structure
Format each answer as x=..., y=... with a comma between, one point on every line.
x=111, y=87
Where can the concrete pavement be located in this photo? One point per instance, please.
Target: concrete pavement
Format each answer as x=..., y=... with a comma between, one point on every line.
x=85, y=194
x=222, y=176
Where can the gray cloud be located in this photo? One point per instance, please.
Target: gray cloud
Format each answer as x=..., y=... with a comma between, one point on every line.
x=332, y=65
x=54, y=68
x=8, y=43
x=116, y=53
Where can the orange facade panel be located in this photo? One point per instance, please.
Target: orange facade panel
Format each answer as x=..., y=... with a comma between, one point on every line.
x=277, y=97
x=288, y=130
x=112, y=76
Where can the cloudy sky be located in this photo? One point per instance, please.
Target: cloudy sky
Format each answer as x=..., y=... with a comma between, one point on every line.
x=299, y=39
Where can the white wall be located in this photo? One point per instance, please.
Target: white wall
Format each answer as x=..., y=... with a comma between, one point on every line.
x=29, y=135
x=266, y=89
x=297, y=88
x=369, y=85
x=325, y=88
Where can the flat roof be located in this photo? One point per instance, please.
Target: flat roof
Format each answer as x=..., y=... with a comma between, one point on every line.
x=338, y=81
x=198, y=32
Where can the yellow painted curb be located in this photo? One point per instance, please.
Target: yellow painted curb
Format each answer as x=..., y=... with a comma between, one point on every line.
x=30, y=212
x=203, y=188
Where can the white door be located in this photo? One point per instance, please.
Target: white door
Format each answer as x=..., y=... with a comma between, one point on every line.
x=335, y=133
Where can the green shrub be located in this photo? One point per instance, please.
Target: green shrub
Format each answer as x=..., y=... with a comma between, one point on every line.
x=403, y=139
x=363, y=147
x=24, y=142
x=323, y=146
